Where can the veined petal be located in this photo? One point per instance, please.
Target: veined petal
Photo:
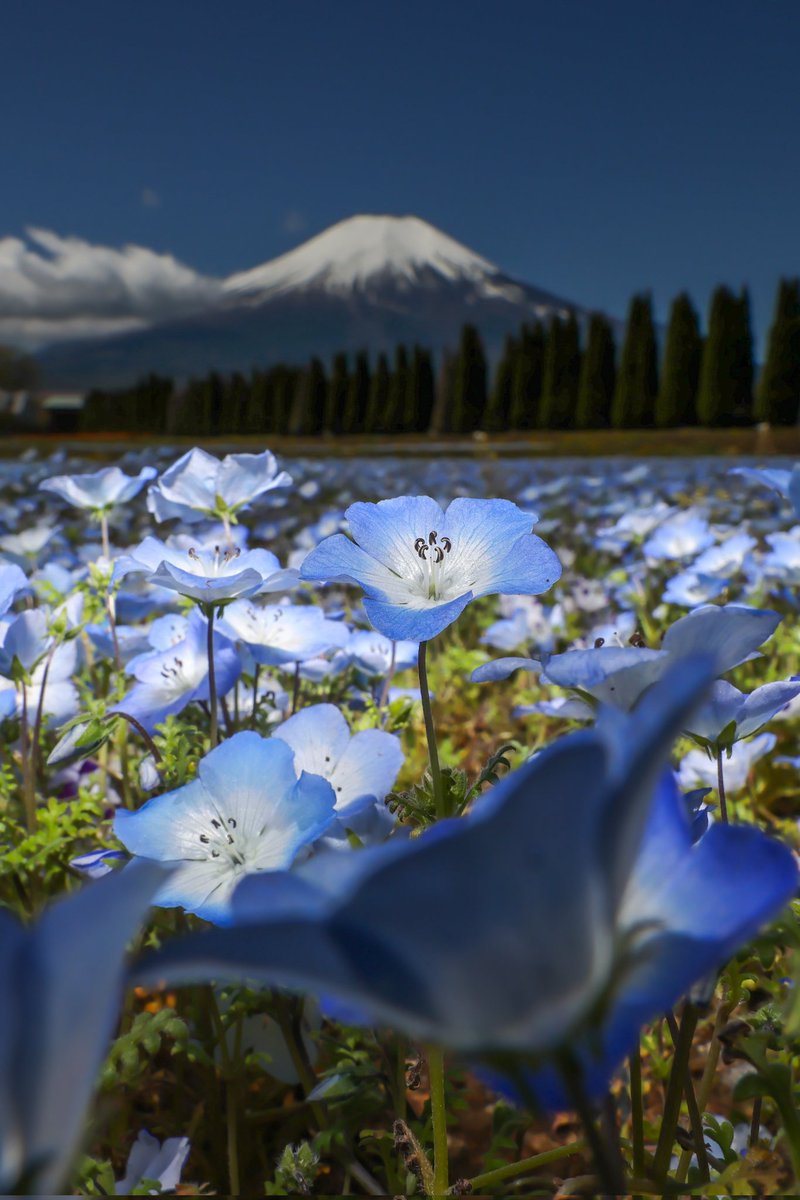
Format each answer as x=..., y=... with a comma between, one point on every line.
x=337, y=559
x=501, y=668
x=402, y=621
x=389, y=529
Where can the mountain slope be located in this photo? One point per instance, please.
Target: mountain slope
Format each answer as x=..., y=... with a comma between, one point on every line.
x=369, y=282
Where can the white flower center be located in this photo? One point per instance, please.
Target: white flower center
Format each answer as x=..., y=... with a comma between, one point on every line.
x=220, y=843
x=216, y=562
x=433, y=551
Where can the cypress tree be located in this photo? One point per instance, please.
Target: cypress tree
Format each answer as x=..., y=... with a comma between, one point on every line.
x=637, y=378
x=497, y=415
x=355, y=413
x=397, y=395
x=743, y=368
x=778, y=394
x=562, y=362
x=378, y=397
x=720, y=387
x=421, y=391
x=676, y=404
x=285, y=387
x=308, y=408
x=336, y=402
x=469, y=383
x=526, y=377
x=598, y=375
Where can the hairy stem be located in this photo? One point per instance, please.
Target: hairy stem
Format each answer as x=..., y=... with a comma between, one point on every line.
x=433, y=752
x=441, y=1170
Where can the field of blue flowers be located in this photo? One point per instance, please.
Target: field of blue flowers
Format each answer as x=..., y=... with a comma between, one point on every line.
x=399, y=826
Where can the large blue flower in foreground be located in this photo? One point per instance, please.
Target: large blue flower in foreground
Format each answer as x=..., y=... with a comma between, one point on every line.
x=500, y=932
x=247, y=811
x=420, y=565
x=60, y=986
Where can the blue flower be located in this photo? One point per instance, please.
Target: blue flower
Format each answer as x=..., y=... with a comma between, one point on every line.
x=729, y=715
x=60, y=986
x=151, y=1160
x=420, y=566
x=100, y=491
x=247, y=811
x=361, y=767
x=277, y=634
x=500, y=932
x=170, y=679
x=207, y=574
x=198, y=485
x=12, y=581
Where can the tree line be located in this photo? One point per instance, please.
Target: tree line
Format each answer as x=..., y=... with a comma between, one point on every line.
x=554, y=376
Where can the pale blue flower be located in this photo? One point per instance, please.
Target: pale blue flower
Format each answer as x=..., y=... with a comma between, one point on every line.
x=13, y=580
x=199, y=486
x=697, y=770
x=157, y=1162
x=99, y=491
x=728, y=715
x=420, y=566
x=361, y=768
x=169, y=680
x=209, y=575
x=60, y=988
x=278, y=634
x=679, y=536
x=246, y=812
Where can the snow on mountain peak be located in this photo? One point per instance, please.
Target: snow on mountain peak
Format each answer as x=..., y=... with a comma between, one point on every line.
x=366, y=248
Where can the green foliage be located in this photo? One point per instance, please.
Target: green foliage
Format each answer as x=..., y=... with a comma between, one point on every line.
x=132, y=1053
x=676, y=404
x=378, y=396
x=724, y=395
x=357, y=402
x=497, y=414
x=526, y=377
x=31, y=863
x=778, y=395
x=562, y=364
x=637, y=378
x=468, y=400
x=597, y=376
x=296, y=1171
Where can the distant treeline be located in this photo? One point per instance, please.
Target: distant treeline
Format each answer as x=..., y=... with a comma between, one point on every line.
x=547, y=378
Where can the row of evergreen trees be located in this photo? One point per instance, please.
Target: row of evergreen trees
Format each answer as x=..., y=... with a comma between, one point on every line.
x=545, y=379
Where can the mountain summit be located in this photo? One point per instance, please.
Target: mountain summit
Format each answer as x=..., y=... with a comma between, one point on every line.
x=367, y=283
x=366, y=251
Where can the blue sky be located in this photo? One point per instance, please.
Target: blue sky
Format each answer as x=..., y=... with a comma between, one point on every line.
x=591, y=147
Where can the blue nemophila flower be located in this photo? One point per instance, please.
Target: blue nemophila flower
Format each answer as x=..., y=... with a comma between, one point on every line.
x=783, y=481
x=101, y=490
x=698, y=770
x=247, y=811
x=498, y=932
x=619, y=675
x=361, y=767
x=150, y=1159
x=207, y=574
x=277, y=634
x=199, y=486
x=420, y=565
x=169, y=680
x=729, y=715
x=689, y=904
x=60, y=985
x=13, y=580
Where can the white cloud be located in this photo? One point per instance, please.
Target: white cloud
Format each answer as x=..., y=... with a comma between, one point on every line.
x=53, y=287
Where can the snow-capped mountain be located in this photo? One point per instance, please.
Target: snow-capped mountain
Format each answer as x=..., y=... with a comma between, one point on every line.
x=369, y=282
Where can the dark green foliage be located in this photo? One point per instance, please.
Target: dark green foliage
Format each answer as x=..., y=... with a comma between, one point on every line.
x=637, y=378
x=469, y=383
x=308, y=411
x=355, y=412
x=497, y=414
x=724, y=393
x=397, y=398
x=421, y=391
x=598, y=376
x=562, y=362
x=285, y=387
x=526, y=377
x=337, y=395
x=378, y=396
x=778, y=396
x=676, y=403
x=18, y=371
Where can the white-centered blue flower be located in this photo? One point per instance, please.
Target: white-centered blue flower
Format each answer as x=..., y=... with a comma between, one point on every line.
x=246, y=812
x=361, y=767
x=101, y=490
x=199, y=486
x=420, y=565
x=210, y=575
x=728, y=715
x=60, y=987
x=697, y=770
x=168, y=680
x=282, y=633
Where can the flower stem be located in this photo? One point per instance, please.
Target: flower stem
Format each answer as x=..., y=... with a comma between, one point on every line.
x=723, y=804
x=104, y=536
x=387, y=683
x=433, y=752
x=435, y=1058
x=143, y=734
x=695, y=1115
x=607, y=1159
x=28, y=780
x=525, y=1165
x=637, y=1111
x=675, y=1090
x=213, y=734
